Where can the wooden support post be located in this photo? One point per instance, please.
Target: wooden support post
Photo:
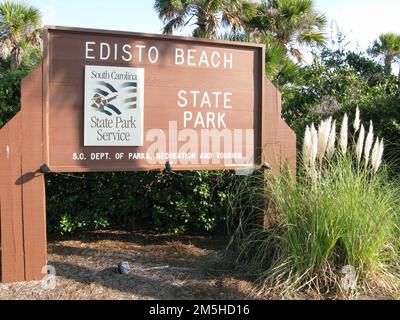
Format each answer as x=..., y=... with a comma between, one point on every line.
x=12, y=238
x=22, y=193
x=288, y=140
x=278, y=141
x=33, y=190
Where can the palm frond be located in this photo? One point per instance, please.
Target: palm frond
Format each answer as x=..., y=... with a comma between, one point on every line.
x=19, y=24
x=310, y=39
x=173, y=24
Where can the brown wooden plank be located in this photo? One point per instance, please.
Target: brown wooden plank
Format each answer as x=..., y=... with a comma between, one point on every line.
x=164, y=77
x=288, y=140
x=270, y=133
x=12, y=249
x=34, y=209
x=66, y=43
x=46, y=92
x=279, y=140
x=289, y=147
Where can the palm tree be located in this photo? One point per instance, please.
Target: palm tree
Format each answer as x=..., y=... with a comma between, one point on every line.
x=279, y=67
x=388, y=47
x=207, y=15
x=20, y=32
x=292, y=23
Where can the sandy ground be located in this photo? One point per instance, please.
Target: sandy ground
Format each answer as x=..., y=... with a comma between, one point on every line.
x=162, y=267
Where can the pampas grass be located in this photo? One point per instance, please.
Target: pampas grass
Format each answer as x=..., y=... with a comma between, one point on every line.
x=331, y=142
x=320, y=144
x=314, y=145
x=378, y=157
x=307, y=146
x=343, y=214
x=360, y=143
x=357, y=121
x=344, y=134
x=324, y=131
x=368, y=143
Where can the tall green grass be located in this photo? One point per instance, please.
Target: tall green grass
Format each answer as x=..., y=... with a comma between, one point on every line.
x=343, y=215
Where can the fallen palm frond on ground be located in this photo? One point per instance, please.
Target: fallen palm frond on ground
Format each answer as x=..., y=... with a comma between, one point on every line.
x=334, y=229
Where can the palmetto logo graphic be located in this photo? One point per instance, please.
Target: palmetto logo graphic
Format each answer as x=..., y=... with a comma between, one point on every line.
x=108, y=100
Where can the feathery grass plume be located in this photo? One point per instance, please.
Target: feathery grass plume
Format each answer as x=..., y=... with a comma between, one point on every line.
x=344, y=134
x=381, y=149
x=324, y=130
x=378, y=161
x=368, y=142
x=307, y=146
x=357, y=121
x=375, y=152
x=314, y=151
x=330, y=149
x=360, y=143
x=314, y=144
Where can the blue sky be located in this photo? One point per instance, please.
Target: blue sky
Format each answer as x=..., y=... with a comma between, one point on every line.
x=361, y=20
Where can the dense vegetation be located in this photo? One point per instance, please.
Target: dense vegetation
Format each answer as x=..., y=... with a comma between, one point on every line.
x=337, y=82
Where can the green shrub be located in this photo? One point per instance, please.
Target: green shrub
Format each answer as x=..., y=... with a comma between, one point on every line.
x=10, y=93
x=178, y=203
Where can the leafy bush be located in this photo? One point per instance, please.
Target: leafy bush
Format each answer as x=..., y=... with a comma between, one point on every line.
x=179, y=203
x=10, y=93
x=338, y=213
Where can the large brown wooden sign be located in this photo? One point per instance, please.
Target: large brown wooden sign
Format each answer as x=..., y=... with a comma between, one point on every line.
x=119, y=101
x=197, y=103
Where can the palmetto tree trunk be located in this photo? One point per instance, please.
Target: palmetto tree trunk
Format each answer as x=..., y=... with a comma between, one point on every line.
x=388, y=64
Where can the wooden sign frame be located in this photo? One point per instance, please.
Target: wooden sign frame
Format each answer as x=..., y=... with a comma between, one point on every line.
x=24, y=149
x=53, y=47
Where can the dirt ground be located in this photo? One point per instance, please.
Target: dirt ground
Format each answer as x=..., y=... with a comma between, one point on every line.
x=162, y=266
